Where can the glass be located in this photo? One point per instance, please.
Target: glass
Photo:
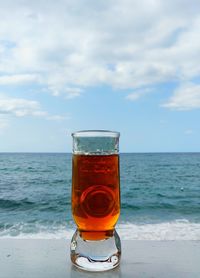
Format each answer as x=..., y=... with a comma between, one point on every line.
x=95, y=246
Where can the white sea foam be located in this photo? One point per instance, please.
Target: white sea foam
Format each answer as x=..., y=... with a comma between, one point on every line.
x=175, y=230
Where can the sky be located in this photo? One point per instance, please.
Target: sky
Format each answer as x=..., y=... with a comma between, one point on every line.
x=125, y=65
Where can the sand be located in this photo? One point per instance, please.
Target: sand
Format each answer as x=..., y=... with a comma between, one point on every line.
x=42, y=258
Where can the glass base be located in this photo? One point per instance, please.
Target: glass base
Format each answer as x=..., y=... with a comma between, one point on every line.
x=95, y=255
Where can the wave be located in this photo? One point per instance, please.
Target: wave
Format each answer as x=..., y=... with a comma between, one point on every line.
x=13, y=204
x=24, y=204
x=181, y=229
x=175, y=230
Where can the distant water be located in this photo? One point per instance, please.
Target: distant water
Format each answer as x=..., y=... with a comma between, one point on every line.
x=160, y=196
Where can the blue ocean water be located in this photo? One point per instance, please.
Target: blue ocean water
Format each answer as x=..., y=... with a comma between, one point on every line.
x=160, y=195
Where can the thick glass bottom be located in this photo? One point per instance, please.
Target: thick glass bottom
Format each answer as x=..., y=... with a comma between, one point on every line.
x=95, y=255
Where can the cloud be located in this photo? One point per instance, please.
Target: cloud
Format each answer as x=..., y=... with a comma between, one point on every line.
x=186, y=97
x=133, y=97
x=58, y=118
x=17, y=79
x=3, y=124
x=76, y=44
x=138, y=94
x=21, y=107
x=67, y=92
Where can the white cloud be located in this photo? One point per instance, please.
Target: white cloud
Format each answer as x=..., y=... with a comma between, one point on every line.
x=18, y=106
x=58, y=118
x=186, y=97
x=67, y=92
x=74, y=44
x=21, y=107
x=17, y=79
x=138, y=94
x=3, y=124
x=133, y=96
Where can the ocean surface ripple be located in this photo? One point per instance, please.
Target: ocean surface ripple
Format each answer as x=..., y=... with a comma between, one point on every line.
x=160, y=195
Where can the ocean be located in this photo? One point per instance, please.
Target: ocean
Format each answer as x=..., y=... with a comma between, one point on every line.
x=160, y=196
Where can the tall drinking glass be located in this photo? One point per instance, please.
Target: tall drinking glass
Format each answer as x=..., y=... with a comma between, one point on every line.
x=95, y=246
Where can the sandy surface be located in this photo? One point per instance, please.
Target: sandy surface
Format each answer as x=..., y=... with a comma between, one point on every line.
x=20, y=258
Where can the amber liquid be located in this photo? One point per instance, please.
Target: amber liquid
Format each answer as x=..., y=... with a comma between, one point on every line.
x=95, y=194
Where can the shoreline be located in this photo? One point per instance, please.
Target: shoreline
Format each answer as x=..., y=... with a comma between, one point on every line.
x=180, y=229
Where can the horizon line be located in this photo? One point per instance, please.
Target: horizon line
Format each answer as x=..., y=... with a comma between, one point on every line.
x=142, y=152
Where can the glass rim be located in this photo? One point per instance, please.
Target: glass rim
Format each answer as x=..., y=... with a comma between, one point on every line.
x=96, y=133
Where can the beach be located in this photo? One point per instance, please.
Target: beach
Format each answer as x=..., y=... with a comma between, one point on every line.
x=41, y=258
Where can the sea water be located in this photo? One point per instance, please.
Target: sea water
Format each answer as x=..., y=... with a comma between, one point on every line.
x=160, y=196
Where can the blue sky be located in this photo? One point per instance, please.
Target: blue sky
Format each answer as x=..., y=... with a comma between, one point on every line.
x=130, y=66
